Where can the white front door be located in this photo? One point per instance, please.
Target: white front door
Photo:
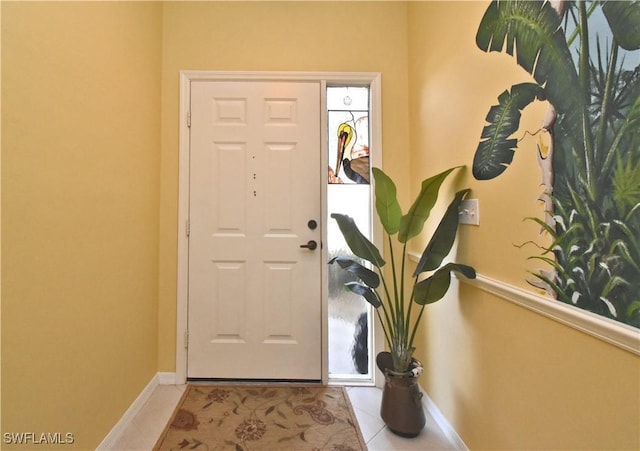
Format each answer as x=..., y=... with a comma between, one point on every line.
x=254, y=302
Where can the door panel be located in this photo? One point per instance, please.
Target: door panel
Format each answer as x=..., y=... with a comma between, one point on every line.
x=254, y=293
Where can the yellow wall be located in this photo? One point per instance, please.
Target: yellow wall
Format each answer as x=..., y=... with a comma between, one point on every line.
x=90, y=167
x=80, y=177
x=506, y=378
x=296, y=36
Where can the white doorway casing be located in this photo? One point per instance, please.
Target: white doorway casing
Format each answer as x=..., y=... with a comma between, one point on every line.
x=323, y=78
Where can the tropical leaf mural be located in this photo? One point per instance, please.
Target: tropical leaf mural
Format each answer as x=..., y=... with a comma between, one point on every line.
x=585, y=59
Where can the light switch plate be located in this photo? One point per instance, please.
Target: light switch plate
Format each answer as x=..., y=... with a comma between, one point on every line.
x=470, y=212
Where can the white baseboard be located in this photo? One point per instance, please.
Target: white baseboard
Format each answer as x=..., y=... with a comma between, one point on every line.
x=449, y=432
x=115, y=433
x=167, y=378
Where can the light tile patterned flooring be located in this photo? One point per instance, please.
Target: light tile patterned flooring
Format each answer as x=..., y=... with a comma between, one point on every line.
x=145, y=428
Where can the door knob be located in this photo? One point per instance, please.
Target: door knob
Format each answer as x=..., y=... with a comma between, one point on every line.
x=311, y=245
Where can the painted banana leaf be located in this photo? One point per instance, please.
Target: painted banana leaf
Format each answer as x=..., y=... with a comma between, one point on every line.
x=590, y=74
x=496, y=148
x=530, y=31
x=624, y=20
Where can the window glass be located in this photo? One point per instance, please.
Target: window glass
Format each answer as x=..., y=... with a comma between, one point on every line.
x=349, y=192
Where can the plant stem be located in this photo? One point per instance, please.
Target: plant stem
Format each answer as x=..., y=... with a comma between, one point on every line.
x=576, y=31
x=613, y=148
x=386, y=289
x=384, y=329
x=402, y=306
x=606, y=103
x=415, y=326
x=395, y=283
x=409, y=310
x=586, y=96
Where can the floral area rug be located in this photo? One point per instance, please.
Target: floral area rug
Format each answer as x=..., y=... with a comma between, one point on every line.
x=262, y=417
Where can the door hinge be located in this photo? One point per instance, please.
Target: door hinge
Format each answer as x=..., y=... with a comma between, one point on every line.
x=186, y=339
x=188, y=118
x=188, y=228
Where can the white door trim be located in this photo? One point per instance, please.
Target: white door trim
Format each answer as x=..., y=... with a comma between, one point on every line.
x=372, y=79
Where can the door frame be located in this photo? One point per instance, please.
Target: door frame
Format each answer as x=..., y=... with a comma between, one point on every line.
x=371, y=79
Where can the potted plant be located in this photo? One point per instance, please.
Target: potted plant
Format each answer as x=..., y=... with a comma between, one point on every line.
x=386, y=290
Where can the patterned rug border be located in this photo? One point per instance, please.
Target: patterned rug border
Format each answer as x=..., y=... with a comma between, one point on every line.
x=192, y=386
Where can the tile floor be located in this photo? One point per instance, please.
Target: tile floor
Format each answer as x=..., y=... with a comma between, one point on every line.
x=145, y=428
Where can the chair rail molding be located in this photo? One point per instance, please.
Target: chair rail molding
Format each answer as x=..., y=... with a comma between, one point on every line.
x=608, y=330
x=605, y=329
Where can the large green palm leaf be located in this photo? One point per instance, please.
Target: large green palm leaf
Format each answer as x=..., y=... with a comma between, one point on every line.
x=496, y=148
x=624, y=20
x=532, y=32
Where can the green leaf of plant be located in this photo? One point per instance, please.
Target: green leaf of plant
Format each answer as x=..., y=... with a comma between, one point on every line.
x=496, y=148
x=387, y=205
x=434, y=288
x=629, y=129
x=442, y=240
x=466, y=270
x=357, y=242
x=624, y=21
x=412, y=223
x=633, y=308
x=364, y=291
x=370, y=278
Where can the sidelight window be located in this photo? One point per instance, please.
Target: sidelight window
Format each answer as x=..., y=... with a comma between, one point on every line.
x=348, y=192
